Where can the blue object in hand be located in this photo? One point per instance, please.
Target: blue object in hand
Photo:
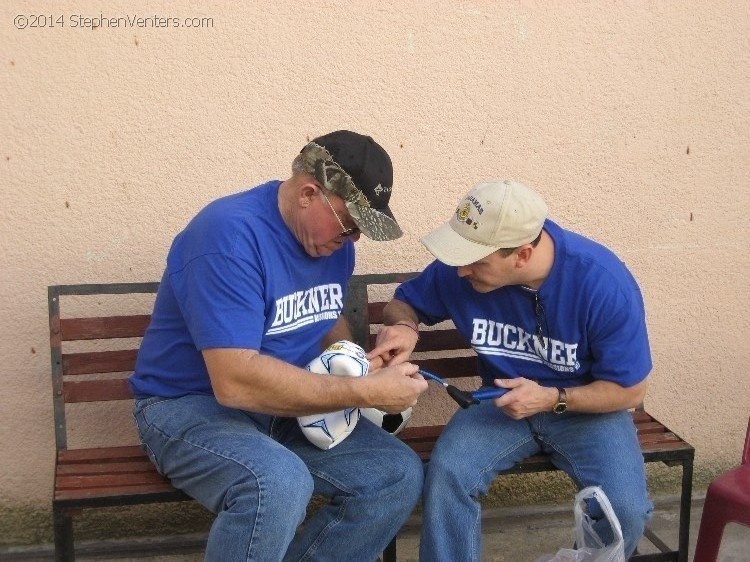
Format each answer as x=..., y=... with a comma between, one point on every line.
x=489, y=393
x=465, y=398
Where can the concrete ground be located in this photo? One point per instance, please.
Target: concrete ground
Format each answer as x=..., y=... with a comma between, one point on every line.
x=509, y=535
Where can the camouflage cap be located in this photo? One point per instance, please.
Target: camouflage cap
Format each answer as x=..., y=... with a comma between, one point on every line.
x=358, y=170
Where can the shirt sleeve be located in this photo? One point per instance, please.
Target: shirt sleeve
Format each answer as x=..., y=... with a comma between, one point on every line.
x=619, y=340
x=423, y=294
x=221, y=300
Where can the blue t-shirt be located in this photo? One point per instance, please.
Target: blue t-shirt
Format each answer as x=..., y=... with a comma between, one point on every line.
x=236, y=277
x=591, y=316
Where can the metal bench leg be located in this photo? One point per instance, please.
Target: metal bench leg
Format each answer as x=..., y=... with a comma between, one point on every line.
x=685, y=504
x=64, y=549
x=389, y=554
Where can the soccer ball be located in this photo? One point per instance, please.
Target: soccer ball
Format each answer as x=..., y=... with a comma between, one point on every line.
x=392, y=423
x=342, y=358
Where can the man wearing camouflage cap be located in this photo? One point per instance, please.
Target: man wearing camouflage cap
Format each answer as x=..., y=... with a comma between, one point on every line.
x=253, y=290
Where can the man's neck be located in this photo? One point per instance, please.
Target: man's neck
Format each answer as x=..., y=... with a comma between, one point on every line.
x=540, y=265
x=286, y=199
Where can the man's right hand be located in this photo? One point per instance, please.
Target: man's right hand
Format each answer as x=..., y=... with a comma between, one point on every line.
x=247, y=380
x=394, y=344
x=394, y=389
x=398, y=337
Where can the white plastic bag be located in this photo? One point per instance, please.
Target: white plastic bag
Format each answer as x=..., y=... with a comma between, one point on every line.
x=589, y=545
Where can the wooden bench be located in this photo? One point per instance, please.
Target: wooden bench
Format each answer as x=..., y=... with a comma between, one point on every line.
x=93, y=354
x=364, y=307
x=84, y=372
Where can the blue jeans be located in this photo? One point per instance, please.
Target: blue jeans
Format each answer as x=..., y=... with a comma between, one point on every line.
x=593, y=449
x=258, y=472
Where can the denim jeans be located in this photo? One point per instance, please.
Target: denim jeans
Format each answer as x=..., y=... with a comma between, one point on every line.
x=593, y=449
x=258, y=472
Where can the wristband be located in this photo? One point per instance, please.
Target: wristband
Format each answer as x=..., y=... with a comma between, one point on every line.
x=404, y=323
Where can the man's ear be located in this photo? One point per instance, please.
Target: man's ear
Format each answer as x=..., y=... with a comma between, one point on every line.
x=306, y=193
x=523, y=255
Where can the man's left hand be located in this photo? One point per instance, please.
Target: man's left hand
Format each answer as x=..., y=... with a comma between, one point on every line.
x=526, y=398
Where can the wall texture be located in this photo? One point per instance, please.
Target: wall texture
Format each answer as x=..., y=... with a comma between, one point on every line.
x=631, y=118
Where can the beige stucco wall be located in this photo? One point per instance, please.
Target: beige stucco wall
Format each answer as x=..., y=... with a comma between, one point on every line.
x=631, y=118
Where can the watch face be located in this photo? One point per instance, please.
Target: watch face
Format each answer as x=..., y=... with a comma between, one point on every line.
x=560, y=407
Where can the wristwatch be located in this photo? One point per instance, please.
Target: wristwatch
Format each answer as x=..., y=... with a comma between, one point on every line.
x=562, y=401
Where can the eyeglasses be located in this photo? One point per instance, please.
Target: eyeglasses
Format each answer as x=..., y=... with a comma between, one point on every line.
x=345, y=232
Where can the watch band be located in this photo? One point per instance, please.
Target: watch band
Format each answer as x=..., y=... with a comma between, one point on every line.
x=562, y=401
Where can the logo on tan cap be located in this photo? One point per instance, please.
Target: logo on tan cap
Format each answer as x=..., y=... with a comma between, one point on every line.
x=462, y=214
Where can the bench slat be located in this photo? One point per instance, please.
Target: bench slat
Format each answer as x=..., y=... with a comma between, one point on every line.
x=119, y=361
x=649, y=427
x=97, y=391
x=107, y=480
x=101, y=454
x=105, y=468
x=142, y=490
x=640, y=415
x=375, y=312
x=421, y=432
x=451, y=367
x=655, y=439
x=105, y=327
x=435, y=340
x=665, y=446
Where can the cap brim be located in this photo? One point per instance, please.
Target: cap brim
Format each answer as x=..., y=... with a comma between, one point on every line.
x=376, y=224
x=453, y=249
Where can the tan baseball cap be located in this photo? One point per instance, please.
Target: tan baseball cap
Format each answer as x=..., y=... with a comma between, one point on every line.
x=493, y=215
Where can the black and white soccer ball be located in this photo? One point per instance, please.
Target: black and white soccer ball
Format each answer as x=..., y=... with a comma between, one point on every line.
x=342, y=358
x=392, y=423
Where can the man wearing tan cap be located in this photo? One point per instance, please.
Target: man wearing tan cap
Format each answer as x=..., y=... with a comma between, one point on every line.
x=555, y=319
x=253, y=290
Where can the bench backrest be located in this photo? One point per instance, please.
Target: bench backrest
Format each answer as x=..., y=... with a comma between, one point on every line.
x=88, y=374
x=92, y=355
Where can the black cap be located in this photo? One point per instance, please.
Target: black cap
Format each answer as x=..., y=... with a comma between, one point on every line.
x=357, y=169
